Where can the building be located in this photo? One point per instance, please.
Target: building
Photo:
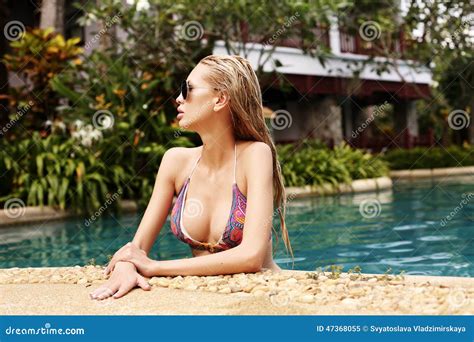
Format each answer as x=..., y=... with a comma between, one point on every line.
x=325, y=102
x=329, y=104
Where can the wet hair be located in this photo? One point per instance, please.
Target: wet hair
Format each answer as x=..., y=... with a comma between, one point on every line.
x=235, y=75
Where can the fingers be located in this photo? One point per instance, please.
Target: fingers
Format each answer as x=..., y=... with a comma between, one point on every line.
x=124, y=289
x=104, y=292
x=143, y=283
x=98, y=290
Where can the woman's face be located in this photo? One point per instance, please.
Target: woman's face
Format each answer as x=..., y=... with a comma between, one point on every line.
x=200, y=100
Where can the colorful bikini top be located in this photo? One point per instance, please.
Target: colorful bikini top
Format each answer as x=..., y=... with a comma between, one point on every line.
x=233, y=231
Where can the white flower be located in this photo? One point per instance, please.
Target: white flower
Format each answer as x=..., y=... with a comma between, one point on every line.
x=86, y=134
x=86, y=141
x=78, y=123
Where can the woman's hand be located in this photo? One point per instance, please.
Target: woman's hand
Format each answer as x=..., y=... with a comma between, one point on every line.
x=123, y=279
x=133, y=254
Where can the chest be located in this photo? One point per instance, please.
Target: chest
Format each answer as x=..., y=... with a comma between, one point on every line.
x=208, y=206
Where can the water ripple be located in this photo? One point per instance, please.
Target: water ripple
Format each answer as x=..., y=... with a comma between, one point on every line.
x=388, y=244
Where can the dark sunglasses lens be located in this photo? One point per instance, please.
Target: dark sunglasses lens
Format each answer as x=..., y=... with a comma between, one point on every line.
x=184, y=89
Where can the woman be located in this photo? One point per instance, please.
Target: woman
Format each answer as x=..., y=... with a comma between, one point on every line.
x=221, y=101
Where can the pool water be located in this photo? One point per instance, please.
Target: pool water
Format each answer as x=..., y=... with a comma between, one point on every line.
x=425, y=228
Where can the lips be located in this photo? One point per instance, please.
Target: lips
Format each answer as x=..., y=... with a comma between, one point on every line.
x=180, y=113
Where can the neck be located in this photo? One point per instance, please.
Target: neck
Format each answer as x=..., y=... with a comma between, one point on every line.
x=218, y=153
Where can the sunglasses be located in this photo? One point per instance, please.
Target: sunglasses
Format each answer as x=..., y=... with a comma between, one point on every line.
x=184, y=87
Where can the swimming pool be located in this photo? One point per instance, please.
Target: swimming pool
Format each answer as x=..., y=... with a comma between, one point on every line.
x=425, y=227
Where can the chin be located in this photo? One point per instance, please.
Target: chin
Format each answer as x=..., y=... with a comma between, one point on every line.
x=183, y=123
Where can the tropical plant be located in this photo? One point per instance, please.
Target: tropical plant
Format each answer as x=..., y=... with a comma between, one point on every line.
x=36, y=58
x=430, y=157
x=61, y=173
x=313, y=163
x=108, y=93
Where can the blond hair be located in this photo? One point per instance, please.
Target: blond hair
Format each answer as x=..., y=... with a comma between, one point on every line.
x=235, y=75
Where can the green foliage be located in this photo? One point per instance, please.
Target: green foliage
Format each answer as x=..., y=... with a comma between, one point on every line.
x=140, y=134
x=36, y=58
x=176, y=42
x=111, y=85
x=458, y=90
x=61, y=173
x=427, y=158
x=65, y=171
x=314, y=163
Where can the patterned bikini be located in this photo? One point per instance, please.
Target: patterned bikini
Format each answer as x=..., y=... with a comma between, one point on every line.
x=233, y=231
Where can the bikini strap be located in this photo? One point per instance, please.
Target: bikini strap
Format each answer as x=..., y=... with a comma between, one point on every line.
x=235, y=161
x=194, y=167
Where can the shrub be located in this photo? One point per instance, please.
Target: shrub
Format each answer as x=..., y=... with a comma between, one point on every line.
x=36, y=58
x=59, y=172
x=428, y=158
x=314, y=163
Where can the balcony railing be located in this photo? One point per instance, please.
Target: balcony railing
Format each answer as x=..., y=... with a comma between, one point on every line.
x=379, y=140
x=354, y=43
x=321, y=34
x=350, y=42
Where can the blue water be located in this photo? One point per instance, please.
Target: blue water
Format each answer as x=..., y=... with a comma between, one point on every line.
x=404, y=231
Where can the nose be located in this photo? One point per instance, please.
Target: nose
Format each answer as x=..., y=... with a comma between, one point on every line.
x=180, y=98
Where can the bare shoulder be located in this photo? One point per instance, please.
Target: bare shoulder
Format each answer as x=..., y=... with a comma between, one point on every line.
x=255, y=150
x=176, y=161
x=256, y=155
x=181, y=155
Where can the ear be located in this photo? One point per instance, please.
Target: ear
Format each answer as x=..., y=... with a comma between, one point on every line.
x=221, y=100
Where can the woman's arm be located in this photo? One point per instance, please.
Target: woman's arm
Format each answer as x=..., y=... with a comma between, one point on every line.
x=250, y=254
x=160, y=202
